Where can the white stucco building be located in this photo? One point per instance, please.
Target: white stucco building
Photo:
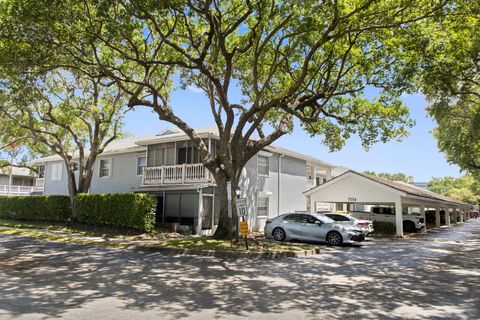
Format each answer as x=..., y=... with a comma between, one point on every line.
x=168, y=166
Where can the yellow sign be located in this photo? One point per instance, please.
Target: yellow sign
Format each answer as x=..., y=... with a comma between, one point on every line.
x=243, y=228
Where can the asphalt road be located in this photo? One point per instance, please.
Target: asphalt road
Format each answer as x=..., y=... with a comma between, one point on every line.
x=436, y=276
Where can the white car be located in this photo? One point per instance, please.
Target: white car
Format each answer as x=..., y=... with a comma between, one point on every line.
x=311, y=227
x=365, y=225
x=411, y=222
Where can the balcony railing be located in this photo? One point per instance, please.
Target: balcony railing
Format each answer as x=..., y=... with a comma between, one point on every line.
x=177, y=174
x=39, y=184
x=16, y=190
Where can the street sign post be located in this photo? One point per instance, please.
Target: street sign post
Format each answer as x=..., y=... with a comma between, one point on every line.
x=243, y=213
x=229, y=198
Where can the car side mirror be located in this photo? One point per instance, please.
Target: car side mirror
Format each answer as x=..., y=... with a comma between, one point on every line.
x=318, y=223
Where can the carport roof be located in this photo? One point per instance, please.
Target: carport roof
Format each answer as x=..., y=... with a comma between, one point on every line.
x=407, y=188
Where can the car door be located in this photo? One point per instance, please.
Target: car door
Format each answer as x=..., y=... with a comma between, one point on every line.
x=293, y=225
x=313, y=229
x=388, y=215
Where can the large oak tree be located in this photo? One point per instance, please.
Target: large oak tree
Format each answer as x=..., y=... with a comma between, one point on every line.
x=312, y=61
x=72, y=115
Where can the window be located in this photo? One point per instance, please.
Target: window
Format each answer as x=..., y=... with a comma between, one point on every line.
x=41, y=171
x=290, y=217
x=141, y=162
x=338, y=217
x=188, y=155
x=104, y=170
x=383, y=210
x=301, y=218
x=262, y=207
x=306, y=218
x=57, y=171
x=182, y=155
x=263, y=165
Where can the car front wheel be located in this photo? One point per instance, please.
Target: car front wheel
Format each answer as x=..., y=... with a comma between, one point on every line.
x=334, y=238
x=278, y=234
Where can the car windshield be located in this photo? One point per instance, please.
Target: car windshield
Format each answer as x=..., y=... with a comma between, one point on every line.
x=323, y=218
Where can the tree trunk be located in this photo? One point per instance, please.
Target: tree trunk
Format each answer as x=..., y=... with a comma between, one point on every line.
x=227, y=226
x=85, y=180
x=72, y=192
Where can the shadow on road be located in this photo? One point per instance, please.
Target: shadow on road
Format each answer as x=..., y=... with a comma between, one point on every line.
x=384, y=279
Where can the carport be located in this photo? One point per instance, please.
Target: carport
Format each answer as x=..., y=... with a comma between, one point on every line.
x=353, y=187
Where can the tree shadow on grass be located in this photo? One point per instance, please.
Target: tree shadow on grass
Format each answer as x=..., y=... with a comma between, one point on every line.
x=390, y=279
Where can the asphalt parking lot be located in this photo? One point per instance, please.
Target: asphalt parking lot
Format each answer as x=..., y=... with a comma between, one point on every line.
x=433, y=276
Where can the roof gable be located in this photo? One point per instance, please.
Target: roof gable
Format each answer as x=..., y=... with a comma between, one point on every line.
x=398, y=187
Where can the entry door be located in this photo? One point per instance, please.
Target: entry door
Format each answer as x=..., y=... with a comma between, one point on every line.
x=207, y=215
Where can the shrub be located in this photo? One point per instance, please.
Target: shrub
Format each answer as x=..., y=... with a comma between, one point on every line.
x=384, y=227
x=40, y=208
x=132, y=210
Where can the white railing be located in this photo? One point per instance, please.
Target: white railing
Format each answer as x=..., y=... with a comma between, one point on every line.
x=16, y=190
x=39, y=184
x=177, y=174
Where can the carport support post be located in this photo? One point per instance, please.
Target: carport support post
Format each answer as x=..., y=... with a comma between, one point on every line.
x=399, y=218
x=447, y=216
x=437, y=217
x=461, y=216
x=313, y=206
x=422, y=214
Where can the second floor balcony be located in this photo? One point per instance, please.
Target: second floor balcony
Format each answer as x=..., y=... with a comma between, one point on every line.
x=176, y=174
x=13, y=190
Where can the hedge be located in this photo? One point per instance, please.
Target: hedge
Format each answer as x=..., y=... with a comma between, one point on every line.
x=45, y=208
x=132, y=210
x=384, y=227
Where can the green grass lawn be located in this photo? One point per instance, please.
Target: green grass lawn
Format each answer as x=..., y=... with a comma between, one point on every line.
x=122, y=238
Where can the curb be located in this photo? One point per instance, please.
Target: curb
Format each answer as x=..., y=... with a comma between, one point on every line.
x=227, y=254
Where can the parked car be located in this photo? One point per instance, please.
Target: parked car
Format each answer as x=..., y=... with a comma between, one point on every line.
x=411, y=222
x=474, y=214
x=311, y=227
x=365, y=225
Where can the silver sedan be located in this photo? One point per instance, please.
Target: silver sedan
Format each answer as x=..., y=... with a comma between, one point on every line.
x=311, y=227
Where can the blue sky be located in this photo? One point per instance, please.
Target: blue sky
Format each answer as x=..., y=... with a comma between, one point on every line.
x=416, y=155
